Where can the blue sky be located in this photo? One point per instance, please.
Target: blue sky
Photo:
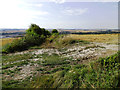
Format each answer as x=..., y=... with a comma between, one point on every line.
x=83, y=15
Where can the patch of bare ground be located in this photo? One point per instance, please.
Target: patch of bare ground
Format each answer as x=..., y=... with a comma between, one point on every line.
x=79, y=54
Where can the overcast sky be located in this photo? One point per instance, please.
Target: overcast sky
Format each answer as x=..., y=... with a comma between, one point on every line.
x=59, y=14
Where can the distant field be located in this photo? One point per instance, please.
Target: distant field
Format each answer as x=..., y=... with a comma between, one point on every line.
x=5, y=41
x=79, y=30
x=102, y=38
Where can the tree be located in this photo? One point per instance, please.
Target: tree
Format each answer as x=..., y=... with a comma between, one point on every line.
x=34, y=29
x=54, y=31
x=34, y=36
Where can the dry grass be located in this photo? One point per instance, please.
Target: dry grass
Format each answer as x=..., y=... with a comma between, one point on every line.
x=102, y=38
x=5, y=41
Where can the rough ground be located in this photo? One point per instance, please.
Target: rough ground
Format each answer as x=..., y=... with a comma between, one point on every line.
x=81, y=54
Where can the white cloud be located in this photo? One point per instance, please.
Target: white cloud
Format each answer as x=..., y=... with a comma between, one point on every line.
x=58, y=1
x=77, y=11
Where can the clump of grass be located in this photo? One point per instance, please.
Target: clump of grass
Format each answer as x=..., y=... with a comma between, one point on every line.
x=16, y=83
x=12, y=58
x=64, y=67
x=54, y=60
x=15, y=64
x=40, y=69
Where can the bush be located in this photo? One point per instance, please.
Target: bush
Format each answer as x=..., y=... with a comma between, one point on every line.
x=24, y=43
x=36, y=30
x=34, y=36
x=54, y=31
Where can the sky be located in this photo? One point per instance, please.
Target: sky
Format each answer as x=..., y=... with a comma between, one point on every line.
x=59, y=14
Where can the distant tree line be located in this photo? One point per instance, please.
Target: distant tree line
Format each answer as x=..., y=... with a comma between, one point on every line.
x=14, y=33
x=97, y=32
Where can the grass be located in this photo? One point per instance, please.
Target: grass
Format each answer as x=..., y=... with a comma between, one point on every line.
x=17, y=64
x=102, y=73
x=54, y=60
x=94, y=46
x=102, y=38
x=82, y=76
x=5, y=41
x=12, y=58
x=54, y=71
x=62, y=41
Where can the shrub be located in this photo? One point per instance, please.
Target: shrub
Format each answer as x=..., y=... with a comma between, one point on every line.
x=54, y=31
x=36, y=30
x=34, y=36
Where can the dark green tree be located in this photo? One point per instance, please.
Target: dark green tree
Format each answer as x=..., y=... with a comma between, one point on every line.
x=34, y=29
x=34, y=36
x=54, y=31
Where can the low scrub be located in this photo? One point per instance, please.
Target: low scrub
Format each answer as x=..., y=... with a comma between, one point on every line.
x=34, y=36
x=62, y=41
x=23, y=44
x=96, y=75
x=103, y=73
